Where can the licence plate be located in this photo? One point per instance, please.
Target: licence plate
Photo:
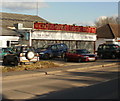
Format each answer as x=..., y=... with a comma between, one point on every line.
x=91, y=59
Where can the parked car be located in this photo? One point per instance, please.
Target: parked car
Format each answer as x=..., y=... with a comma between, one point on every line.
x=80, y=55
x=4, y=51
x=52, y=50
x=108, y=51
x=20, y=55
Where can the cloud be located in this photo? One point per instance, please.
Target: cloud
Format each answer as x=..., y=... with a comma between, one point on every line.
x=101, y=18
x=19, y=6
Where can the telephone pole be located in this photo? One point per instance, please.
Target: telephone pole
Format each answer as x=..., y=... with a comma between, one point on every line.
x=37, y=8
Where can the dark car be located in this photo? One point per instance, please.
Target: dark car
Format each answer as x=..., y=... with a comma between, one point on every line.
x=20, y=55
x=80, y=55
x=4, y=51
x=108, y=51
x=52, y=50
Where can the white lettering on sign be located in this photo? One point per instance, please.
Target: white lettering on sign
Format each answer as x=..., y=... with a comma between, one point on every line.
x=62, y=36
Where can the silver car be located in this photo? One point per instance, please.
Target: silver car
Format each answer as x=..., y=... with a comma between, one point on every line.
x=21, y=55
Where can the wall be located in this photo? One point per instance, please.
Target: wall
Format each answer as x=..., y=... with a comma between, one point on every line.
x=89, y=45
x=99, y=41
x=4, y=39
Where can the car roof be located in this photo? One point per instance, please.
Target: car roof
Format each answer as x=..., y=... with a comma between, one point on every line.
x=110, y=44
x=22, y=46
x=5, y=48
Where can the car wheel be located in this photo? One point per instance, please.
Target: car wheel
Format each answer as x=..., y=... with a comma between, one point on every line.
x=30, y=55
x=113, y=56
x=5, y=62
x=101, y=56
x=22, y=63
x=46, y=56
x=66, y=59
x=16, y=63
x=79, y=60
x=62, y=55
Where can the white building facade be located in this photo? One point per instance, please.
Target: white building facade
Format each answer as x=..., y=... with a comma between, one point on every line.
x=8, y=41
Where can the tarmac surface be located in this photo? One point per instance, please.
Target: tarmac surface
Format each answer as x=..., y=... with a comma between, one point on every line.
x=64, y=66
x=72, y=78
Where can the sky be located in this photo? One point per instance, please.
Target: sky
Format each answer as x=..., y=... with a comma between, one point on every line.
x=63, y=12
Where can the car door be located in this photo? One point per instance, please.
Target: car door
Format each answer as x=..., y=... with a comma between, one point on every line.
x=0, y=53
x=107, y=50
x=54, y=50
x=73, y=55
x=100, y=50
x=59, y=49
x=69, y=55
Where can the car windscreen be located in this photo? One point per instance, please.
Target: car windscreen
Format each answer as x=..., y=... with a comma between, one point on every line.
x=26, y=49
x=46, y=46
x=115, y=47
x=6, y=49
x=19, y=49
x=82, y=51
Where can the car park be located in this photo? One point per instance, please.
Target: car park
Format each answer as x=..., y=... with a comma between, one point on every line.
x=80, y=55
x=20, y=55
x=52, y=50
x=4, y=51
x=108, y=51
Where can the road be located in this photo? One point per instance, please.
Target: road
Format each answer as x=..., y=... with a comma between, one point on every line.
x=89, y=83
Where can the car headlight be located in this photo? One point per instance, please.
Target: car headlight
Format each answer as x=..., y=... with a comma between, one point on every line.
x=41, y=53
x=86, y=56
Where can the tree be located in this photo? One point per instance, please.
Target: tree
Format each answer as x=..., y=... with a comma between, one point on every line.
x=106, y=20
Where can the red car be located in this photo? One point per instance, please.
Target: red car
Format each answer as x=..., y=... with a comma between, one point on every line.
x=80, y=55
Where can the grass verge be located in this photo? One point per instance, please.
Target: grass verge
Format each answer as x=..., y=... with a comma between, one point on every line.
x=38, y=65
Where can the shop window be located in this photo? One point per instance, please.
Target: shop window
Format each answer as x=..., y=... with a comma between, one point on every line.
x=8, y=43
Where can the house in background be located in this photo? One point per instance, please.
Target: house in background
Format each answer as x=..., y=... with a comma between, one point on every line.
x=109, y=33
x=8, y=34
x=8, y=37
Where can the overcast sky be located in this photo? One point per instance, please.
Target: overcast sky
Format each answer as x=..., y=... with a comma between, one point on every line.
x=78, y=12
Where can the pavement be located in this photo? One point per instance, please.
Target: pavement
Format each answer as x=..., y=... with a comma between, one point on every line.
x=47, y=71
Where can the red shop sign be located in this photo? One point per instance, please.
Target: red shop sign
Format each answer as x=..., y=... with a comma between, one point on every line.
x=63, y=27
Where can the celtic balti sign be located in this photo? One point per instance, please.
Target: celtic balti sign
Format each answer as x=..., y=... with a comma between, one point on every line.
x=63, y=27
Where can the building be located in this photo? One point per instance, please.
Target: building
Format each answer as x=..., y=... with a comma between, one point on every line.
x=109, y=33
x=68, y=34
x=22, y=28
x=8, y=34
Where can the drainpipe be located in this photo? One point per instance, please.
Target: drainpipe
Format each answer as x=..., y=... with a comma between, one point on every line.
x=94, y=47
x=30, y=40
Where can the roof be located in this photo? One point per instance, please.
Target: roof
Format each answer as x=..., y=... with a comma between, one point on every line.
x=9, y=19
x=115, y=29
x=108, y=31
